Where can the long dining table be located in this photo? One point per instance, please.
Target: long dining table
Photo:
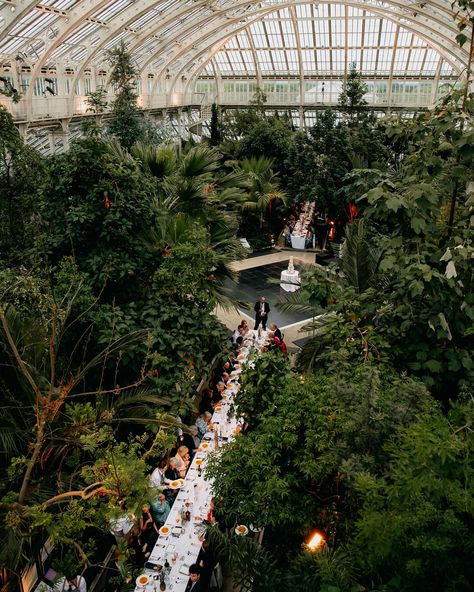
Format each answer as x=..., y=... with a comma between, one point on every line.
x=179, y=542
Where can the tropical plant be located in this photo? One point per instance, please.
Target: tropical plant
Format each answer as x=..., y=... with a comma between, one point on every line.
x=414, y=518
x=351, y=100
x=125, y=123
x=21, y=179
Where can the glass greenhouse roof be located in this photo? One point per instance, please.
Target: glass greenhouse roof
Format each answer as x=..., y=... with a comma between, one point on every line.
x=324, y=40
x=185, y=39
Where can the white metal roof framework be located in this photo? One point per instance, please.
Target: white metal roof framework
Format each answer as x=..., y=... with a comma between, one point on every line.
x=180, y=40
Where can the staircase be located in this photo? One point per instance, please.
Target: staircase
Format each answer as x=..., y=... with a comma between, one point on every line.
x=197, y=127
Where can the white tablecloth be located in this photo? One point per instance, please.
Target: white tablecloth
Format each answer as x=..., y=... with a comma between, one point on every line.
x=298, y=242
x=197, y=491
x=286, y=277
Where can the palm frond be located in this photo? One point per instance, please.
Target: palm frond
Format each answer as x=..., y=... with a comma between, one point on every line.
x=141, y=397
x=124, y=343
x=200, y=160
x=298, y=302
x=11, y=439
x=159, y=161
x=118, y=151
x=358, y=260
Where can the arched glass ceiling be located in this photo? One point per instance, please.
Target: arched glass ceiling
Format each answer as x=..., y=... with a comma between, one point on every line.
x=177, y=38
x=323, y=40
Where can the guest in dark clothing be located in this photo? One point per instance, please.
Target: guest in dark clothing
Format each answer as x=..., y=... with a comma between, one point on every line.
x=188, y=441
x=195, y=583
x=261, y=308
x=206, y=402
x=228, y=367
x=148, y=531
x=238, y=345
x=276, y=331
x=218, y=392
x=172, y=474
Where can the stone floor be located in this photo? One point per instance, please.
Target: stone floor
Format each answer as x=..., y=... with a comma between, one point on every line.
x=259, y=276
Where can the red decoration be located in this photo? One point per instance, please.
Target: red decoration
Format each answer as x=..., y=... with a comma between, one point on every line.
x=107, y=202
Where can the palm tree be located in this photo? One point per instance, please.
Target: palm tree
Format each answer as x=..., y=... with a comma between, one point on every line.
x=195, y=187
x=262, y=184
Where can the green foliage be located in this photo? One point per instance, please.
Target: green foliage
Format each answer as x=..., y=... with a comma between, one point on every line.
x=309, y=439
x=351, y=99
x=216, y=135
x=21, y=178
x=416, y=522
x=262, y=379
x=326, y=153
x=125, y=123
x=94, y=207
x=96, y=101
x=268, y=137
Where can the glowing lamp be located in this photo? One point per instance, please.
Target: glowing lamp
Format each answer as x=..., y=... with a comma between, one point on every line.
x=315, y=542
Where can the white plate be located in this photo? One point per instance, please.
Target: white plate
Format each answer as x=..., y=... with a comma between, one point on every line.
x=142, y=580
x=241, y=530
x=254, y=528
x=165, y=530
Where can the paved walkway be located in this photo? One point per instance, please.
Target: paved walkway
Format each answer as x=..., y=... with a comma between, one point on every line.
x=232, y=318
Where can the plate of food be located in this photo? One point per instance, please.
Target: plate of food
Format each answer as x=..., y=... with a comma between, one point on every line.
x=164, y=530
x=181, y=482
x=175, y=484
x=204, y=445
x=142, y=580
x=241, y=530
x=218, y=408
x=199, y=461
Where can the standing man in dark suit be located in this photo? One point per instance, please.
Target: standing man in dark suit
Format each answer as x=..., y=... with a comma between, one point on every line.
x=261, y=309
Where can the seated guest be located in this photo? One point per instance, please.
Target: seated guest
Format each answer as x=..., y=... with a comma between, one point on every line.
x=218, y=392
x=238, y=345
x=195, y=436
x=210, y=513
x=148, y=531
x=195, y=584
x=226, y=377
x=160, y=509
x=275, y=330
x=281, y=345
x=158, y=478
x=238, y=332
x=182, y=460
x=172, y=473
x=187, y=440
x=227, y=366
x=203, y=423
x=206, y=403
